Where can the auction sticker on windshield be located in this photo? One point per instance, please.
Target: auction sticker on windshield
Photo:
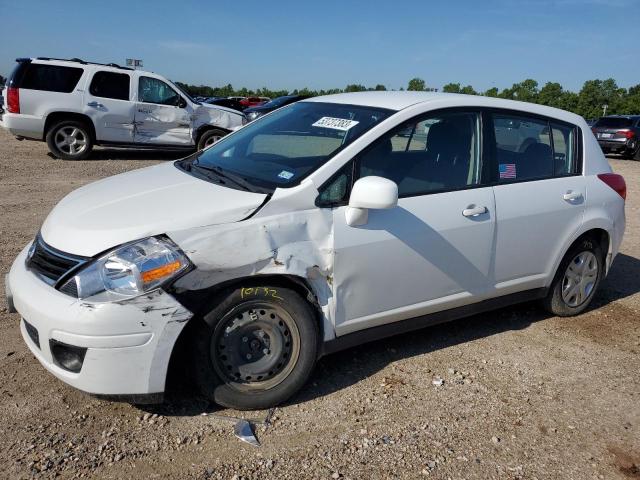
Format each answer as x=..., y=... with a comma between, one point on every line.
x=335, y=123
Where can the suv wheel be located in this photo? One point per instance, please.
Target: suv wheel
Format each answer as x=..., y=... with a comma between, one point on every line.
x=70, y=140
x=576, y=280
x=209, y=137
x=255, y=348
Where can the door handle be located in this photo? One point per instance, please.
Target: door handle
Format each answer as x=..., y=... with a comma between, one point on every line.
x=571, y=195
x=473, y=211
x=95, y=104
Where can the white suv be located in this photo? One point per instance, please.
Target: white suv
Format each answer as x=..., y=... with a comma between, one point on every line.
x=321, y=225
x=74, y=105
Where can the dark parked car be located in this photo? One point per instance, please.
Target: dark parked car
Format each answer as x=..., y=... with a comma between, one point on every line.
x=254, y=112
x=226, y=102
x=619, y=134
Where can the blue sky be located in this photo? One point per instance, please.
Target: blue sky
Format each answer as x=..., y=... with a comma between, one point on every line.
x=328, y=44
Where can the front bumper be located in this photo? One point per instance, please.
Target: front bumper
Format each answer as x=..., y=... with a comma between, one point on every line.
x=128, y=343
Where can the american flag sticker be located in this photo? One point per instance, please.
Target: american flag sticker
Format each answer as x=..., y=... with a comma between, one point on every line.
x=507, y=170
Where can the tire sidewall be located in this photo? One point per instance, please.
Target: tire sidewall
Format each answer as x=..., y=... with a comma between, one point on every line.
x=208, y=134
x=555, y=302
x=53, y=148
x=209, y=382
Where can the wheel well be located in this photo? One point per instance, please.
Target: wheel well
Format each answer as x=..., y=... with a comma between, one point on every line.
x=206, y=128
x=197, y=302
x=597, y=235
x=56, y=117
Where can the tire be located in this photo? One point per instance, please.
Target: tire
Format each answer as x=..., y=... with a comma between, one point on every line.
x=209, y=137
x=584, y=279
x=255, y=348
x=59, y=136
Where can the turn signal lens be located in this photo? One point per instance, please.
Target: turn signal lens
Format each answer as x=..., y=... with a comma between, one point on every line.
x=161, y=272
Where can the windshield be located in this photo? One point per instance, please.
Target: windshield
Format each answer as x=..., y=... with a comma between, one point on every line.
x=185, y=93
x=279, y=150
x=614, y=122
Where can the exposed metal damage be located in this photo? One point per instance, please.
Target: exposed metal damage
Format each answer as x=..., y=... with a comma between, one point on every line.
x=298, y=243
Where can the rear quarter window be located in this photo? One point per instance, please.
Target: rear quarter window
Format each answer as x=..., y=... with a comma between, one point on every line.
x=50, y=78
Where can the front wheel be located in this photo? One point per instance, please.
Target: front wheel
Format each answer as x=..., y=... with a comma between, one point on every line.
x=577, y=280
x=210, y=137
x=70, y=140
x=255, y=348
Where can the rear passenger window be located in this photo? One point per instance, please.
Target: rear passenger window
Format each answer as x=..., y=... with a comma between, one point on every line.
x=51, y=78
x=523, y=148
x=110, y=85
x=434, y=154
x=564, y=143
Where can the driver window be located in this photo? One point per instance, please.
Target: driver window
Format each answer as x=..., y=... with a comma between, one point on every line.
x=152, y=90
x=431, y=154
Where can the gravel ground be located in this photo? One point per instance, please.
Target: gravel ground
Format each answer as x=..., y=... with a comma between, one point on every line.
x=525, y=395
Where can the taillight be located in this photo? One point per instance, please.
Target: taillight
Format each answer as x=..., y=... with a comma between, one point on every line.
x=13, y=100
x=616, y=182
x=625, y=133
x=595, y=132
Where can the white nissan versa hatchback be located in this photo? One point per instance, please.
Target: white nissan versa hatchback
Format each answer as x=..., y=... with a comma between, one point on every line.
x=327, y=223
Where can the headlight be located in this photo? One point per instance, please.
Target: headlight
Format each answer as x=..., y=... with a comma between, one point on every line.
x=130, y=270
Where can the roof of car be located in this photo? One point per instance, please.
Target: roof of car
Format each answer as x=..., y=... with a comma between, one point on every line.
x=398, y=100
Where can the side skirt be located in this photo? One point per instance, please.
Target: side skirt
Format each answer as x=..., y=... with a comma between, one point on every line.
x=403, y=326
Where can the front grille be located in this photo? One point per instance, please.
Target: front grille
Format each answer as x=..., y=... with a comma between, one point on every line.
x=32, y=332
x=49, y=263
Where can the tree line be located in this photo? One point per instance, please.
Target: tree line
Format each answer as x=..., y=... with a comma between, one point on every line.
x=588, y=102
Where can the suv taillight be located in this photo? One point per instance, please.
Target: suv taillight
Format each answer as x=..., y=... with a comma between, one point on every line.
x=625, y=133
x=13, y=100
x=616, y=182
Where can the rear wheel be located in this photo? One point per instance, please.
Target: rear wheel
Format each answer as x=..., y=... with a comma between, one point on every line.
x=577, y=279
x=210, y=137
x=255, y=348
x=70, y=140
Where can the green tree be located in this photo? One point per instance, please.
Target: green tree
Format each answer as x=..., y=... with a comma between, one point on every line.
x=417, y=85
x=451, y=88
x=632, y=101
x=355, y=88
x=468, y=90
x=380, y=88
x=3, y=80
x=597, y=93
x=492, y=92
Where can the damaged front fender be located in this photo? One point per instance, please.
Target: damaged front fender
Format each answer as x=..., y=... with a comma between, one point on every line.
x=298, y=244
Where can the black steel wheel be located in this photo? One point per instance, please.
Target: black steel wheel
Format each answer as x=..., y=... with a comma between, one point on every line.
x=256, y=347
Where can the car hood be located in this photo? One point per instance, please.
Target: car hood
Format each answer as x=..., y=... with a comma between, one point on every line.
x=140, y=203
x=259, y=108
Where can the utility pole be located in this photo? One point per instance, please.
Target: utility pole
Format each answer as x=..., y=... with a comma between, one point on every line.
x=604, y=110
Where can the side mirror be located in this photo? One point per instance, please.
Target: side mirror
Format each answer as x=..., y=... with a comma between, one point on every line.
x=376, y=193
x=182, y=103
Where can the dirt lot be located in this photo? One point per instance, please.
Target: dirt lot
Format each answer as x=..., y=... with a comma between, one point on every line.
x=526, y=395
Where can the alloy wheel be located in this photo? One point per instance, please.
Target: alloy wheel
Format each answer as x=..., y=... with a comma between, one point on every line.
x=580, y=279
x=71, y=140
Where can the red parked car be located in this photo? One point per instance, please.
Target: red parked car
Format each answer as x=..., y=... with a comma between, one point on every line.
x=254, y=101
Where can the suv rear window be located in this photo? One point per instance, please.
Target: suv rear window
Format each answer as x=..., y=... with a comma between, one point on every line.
x=50, y=78
x=110, y=85
x=614, y=122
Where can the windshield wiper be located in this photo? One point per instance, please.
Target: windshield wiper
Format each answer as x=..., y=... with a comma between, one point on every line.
x=218, y=172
